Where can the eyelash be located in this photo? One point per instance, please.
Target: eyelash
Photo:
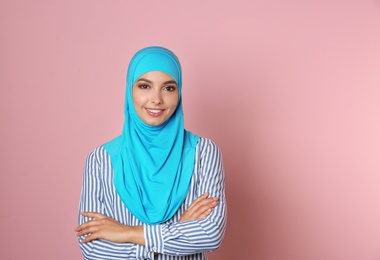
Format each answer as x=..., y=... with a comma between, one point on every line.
x=167, y=88
x=170, y=88
x=143, y=86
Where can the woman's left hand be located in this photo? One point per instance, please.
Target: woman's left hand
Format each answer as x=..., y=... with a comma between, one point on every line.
x=106, y=228
x=200, y=208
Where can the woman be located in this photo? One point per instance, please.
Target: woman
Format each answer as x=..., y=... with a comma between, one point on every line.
x=157, y=190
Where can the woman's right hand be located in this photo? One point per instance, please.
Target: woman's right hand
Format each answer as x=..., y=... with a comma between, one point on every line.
x=199, y=208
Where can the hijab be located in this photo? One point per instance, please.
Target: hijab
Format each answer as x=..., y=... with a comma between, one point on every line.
x=153, y=165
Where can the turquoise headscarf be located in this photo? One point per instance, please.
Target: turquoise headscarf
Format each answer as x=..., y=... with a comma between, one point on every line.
x=153, y=165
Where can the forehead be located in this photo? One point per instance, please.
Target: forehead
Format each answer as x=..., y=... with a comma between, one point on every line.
x=156, y=76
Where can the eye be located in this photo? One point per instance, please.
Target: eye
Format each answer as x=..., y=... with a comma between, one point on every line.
x=170, y=88
x=143, y=86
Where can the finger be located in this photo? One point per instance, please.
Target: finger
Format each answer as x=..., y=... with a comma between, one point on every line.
x=208, y=202
x=199, y=199
x=91, y=237
x=87, y=224
x=91, y=223
x=200, y=210
x=94, y=215
x=205, y=210
x=87, y=230
x=204, y=214
x=197, y=215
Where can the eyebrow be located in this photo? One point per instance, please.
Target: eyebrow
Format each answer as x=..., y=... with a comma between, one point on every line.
x=142, y=79
x=170, y=82
x=164, y=83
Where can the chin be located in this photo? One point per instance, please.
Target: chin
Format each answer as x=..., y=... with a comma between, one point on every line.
x=154, y=123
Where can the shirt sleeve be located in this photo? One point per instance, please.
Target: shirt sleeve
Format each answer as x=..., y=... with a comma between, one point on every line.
x=192, y=237
x=92, y=200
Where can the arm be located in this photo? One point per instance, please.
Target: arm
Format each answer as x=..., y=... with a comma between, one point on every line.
x=195, y=236
x=191, y=234
x=92, y=200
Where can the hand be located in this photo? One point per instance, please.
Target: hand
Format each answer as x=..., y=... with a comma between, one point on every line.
x=106, y=228
x=199, y=208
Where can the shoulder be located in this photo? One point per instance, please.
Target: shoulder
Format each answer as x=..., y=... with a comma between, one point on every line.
x=207, y=145
x=98, y=165
x=98, y=156
x=209, y=159
x=208, y=153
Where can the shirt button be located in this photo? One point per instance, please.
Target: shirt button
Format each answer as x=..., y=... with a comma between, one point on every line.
x=154, y=249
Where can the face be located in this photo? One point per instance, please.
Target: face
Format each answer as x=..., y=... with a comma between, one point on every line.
x=155, y=97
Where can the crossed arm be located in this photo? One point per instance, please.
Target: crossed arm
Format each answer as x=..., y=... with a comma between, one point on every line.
x=106, y=228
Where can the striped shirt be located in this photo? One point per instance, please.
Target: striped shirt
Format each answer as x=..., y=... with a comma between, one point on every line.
x=170, y=240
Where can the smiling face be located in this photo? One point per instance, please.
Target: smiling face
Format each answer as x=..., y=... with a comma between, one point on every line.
x=155, y=97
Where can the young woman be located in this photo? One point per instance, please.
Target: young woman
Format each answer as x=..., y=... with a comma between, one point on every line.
x=157, y=190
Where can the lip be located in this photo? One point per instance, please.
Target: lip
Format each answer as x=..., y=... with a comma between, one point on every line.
x=154, y=111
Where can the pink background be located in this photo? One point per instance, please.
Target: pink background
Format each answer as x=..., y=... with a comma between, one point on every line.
x=289, y=90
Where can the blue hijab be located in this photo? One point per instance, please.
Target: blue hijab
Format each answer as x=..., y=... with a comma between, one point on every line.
x=153, y=165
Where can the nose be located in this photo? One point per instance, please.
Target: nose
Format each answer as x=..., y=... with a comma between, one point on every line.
x=156, y=98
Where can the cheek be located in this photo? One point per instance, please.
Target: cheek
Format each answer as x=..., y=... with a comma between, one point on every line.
x=174, y=100
x=173, y=104
x=134, y=96
x=135, y=100
x=138, y=99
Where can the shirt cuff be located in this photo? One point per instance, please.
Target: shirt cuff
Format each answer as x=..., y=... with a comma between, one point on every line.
x=153, y=239
x=142, y=253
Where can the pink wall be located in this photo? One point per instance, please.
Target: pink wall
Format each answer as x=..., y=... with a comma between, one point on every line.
x=290, y=90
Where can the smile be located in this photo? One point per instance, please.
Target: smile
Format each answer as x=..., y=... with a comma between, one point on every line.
x=155, y=112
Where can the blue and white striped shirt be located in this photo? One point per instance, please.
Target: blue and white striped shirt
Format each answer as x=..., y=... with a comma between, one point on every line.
x=172, y=239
